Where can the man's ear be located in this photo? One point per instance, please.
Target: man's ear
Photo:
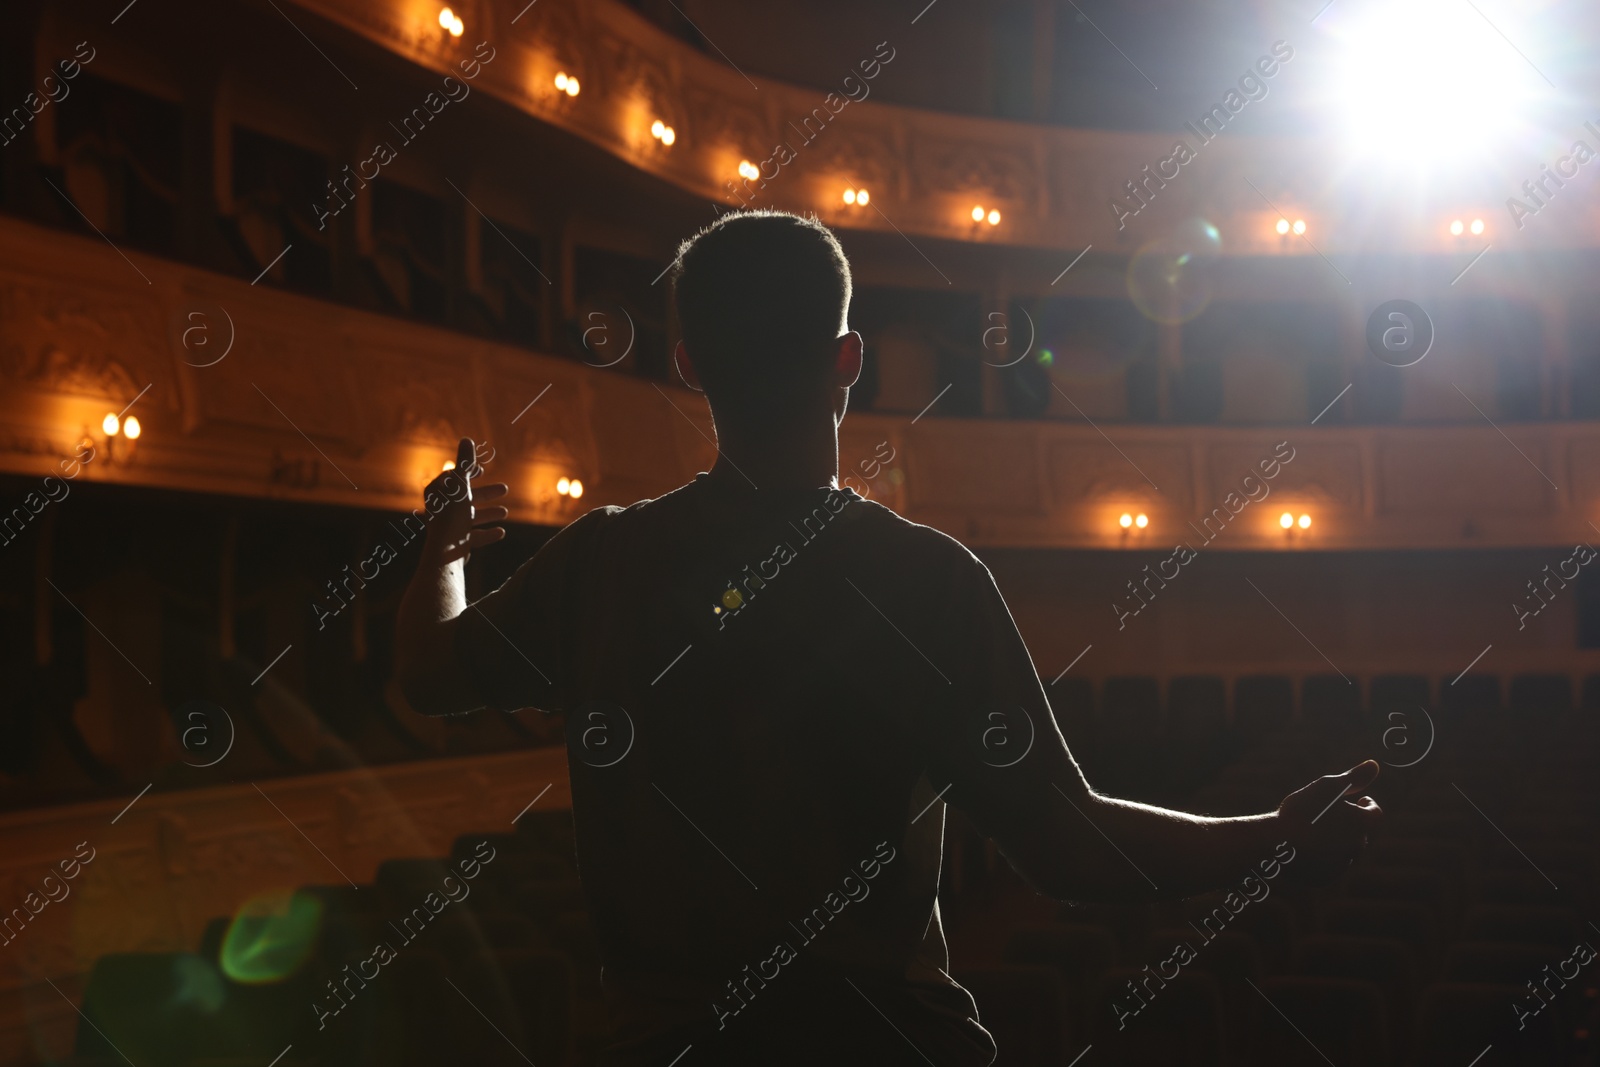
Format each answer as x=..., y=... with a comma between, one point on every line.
x=847, y=360
x=680, y=359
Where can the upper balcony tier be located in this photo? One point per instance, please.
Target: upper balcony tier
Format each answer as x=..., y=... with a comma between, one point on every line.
x=241, y=389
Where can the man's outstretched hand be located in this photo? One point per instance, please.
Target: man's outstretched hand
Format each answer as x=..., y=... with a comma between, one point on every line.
x=1328, y=821
x=461, y=525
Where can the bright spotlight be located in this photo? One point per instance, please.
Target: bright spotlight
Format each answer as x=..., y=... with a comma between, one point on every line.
x=849, y=196
x=1456, y=228
x=1126, y=520
x=1305, y=522
x=1141, y=520
x=1421, y=83
x=994, y=217
x=1299, y=227
x=131, y=428
x=977, y=212
x=1477, y=227
x=1283, y=226
x=1286, y=520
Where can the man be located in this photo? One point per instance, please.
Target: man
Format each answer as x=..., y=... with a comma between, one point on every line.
x=772, y=688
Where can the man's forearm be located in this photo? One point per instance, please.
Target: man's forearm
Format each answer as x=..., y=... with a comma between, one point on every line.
x=1169, y=854
x=435, y=596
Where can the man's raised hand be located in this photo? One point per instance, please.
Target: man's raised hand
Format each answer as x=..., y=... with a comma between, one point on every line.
x=458, y=524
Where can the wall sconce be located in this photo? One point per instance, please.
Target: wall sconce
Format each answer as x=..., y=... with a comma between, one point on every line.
x=566, y=83
x=748, y=170
x=119, y=436
x=979, y=215
x=663, y=133
x=857, y=197
x=569, y=487
x=1289, y=523
x=451, y=23
x=1131, y=522
x=1458, y=227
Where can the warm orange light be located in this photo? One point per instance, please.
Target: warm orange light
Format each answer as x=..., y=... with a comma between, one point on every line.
x=668, y=136
x=563, y=485
x=1283, y=225
x=861, y=197
x=1126, y=520
x=994, y=217
x=1305, y=522
x=1286, y=520
x=110, y=424
x=575, y=489
x=1457, y=228
x=1141, y=520
x=457, y=27
x=977, y=212
x=449, y=465
x=447, y=18
x=131, y=428
x=1477, y=226
x=1299, y=226
x=572, y=86
x=748, y=170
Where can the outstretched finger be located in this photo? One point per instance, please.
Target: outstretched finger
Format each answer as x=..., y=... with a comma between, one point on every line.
x=484, y=535
x=486, y=515
x=492, y=491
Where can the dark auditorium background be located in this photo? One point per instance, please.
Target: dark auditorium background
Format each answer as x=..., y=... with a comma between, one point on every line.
x=1255, y=348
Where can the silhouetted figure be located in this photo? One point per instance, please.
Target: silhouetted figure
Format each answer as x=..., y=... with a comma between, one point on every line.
x=773, y=686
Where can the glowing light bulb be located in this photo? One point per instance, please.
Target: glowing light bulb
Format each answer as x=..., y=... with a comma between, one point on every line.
x=1283, y=225
x=110, y=424
x=449, y=465
x=748, y=170
x=1305, y=522
x=572, y=86
x=1457, y=227
x=1286, y=520
x=977, y=213
x=1477, y=226
x=861, y=197
x=447, y=19
x=561, y=81
x=849, y=196
x=1141, y=520
x=668, y=135
x=131, y=428
x=575, y=489
x=994, y=217
x=1126, y=520
x=563, y=486
x=657, y=128
x=457, y=27
x=1299, y=226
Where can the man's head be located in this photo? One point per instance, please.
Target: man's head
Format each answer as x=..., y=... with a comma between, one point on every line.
x=762, y=299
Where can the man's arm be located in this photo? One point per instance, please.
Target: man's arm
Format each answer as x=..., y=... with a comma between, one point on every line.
x=431, y=677
x=1070, y=842
x=1099, y=848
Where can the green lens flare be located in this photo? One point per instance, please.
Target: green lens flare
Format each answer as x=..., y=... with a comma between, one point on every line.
x=272, y=935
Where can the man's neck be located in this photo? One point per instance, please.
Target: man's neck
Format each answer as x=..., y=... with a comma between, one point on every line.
x=807, y=458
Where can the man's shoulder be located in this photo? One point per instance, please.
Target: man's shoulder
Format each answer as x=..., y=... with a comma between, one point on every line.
x=912, y=542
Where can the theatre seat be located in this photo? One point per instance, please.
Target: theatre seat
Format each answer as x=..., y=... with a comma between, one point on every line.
x=1330, y=704
x=1262, y=704
x=1540, y=694
x=1181, y=1022
x=1457, y=1022
x=1315, y=1021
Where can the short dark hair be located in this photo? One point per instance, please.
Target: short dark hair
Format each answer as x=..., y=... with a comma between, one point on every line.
x=760, y=297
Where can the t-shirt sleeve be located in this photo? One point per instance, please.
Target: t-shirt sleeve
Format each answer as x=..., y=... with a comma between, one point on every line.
x=990, y=733
x=517, y=645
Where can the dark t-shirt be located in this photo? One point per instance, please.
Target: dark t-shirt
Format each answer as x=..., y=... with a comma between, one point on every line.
x=770, y=696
